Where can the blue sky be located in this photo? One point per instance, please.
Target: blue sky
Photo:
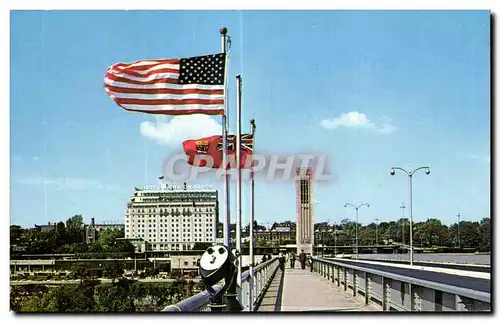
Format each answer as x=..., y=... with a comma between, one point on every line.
x=371, y=89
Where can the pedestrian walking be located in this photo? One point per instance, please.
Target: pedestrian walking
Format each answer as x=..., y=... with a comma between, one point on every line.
x=282, y=261
x=292, y=260
x=302, y=259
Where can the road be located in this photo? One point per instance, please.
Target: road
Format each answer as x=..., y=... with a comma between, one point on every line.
x=483, y=285
x=467, y=267
x=442, y=257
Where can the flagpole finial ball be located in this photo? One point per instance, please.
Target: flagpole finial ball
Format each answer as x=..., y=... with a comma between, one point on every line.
x=223, y=31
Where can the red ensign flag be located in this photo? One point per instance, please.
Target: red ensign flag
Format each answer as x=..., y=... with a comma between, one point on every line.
x=211, y=147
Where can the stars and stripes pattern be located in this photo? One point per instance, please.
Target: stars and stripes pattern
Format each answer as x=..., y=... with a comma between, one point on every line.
x=246, y=143
x=170, y=86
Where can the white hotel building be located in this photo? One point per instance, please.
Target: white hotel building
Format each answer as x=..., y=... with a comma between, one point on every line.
x=172, y=219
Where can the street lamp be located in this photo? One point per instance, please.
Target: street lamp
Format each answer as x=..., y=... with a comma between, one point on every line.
x=410, y=176
x=403, y=224
x=357, y=210
x=323, y=242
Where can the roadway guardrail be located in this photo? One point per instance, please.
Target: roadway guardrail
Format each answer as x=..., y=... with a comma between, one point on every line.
x=394, y=292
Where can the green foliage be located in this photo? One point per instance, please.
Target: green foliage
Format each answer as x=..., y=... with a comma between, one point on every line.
x=91, y=296
x=112, y=298
x=150, y=271
x=431, y=233
x=114, y=270
x=64, y=298
x=81, y=271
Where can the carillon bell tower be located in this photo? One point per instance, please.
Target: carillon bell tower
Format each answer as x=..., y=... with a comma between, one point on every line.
x=305, y=211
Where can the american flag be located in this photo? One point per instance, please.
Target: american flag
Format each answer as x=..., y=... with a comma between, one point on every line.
x=171, y=86
x=246, y=142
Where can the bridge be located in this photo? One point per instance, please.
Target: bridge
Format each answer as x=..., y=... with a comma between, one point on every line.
x=336, y=285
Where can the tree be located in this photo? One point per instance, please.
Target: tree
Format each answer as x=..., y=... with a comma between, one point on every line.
x=151, y=297
x=367, y=236
x=15, y=234
x=108, y=238
x=114, y=270
x=469, y=235
x=433, y=231
x=123, y=246
x=113, y=298
x=64, y=298
x=485, y=233
x=60, y=235
x=81, y=271
x=74, y=248
x=74, y=228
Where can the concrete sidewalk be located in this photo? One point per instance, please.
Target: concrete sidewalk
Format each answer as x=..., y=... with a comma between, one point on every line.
x=307, y=291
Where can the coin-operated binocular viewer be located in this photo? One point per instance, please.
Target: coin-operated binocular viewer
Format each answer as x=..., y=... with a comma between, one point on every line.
x=216, y=264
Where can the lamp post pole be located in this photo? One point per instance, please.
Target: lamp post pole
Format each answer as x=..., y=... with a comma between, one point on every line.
x=458, y=229
x=357, y=212
x=376, y=231
x=410, y=176
x=403, y=223
x=323, y=242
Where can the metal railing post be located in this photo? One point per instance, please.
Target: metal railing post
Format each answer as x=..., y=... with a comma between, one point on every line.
x=354, y=285
x=367, y=288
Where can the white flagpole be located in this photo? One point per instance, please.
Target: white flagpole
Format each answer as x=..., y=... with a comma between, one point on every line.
x=227, y=217
x=238, y=184
x=252, y=219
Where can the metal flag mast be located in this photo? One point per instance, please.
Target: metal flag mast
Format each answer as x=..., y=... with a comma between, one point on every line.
x=252, y=219
x=231, y=297
x=238, y=184
x=225, y=126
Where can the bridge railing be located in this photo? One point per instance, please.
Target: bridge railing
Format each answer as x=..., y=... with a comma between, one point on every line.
x=263, y=275
x=395, y=292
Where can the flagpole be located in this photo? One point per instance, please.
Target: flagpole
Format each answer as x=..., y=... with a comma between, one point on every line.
x=227, y=217
x=252, y=219
x=238, y=184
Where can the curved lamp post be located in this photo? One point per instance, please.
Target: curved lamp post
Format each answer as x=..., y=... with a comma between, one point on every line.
x=410, y=175
x=357, y=210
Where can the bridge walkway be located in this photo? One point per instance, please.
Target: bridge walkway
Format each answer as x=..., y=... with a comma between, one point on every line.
x=302, y=290
x=272, y=299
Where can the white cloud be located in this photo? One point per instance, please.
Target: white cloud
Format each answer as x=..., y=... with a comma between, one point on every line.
x=69, y=183
x=483, y=158
x=17, y=158
x=180, y=128
x=356, y=119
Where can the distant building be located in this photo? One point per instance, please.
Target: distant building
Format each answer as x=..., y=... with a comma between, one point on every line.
x=279, y=233
x=172, y=219
x=46, y=228
x=92, y=231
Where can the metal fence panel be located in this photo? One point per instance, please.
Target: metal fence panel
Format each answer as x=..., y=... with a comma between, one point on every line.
x=428, y=300
x=448, y=302
x=377, y=287
x=361, y=281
